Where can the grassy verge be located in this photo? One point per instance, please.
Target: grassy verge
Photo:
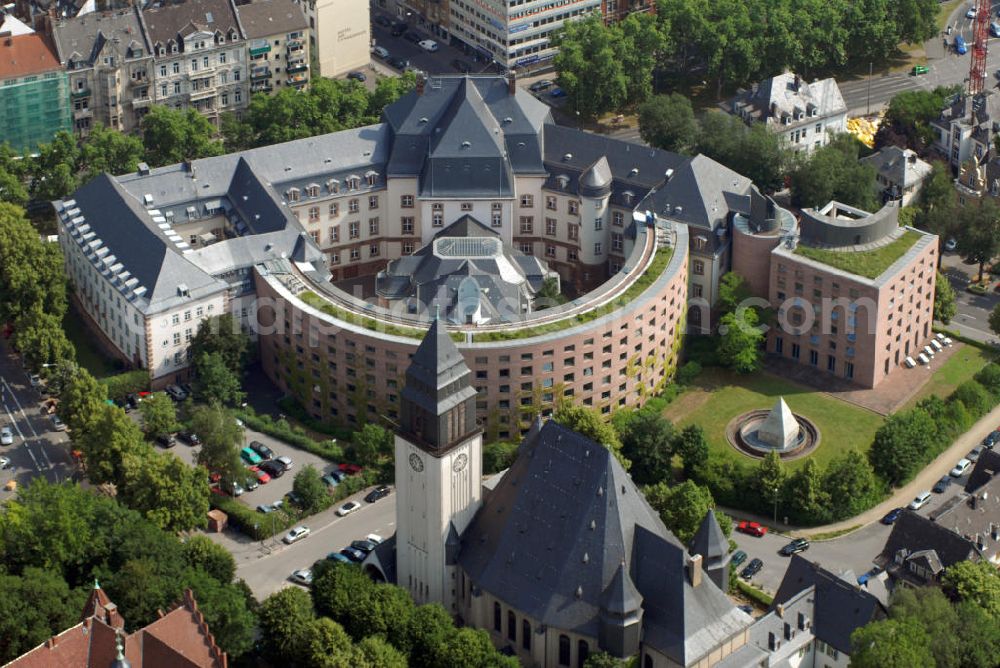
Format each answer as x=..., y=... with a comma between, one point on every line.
x=657, y=267
x=959, y=368
x=717, y=396
x=830, y=535
x=317, y=302
x=870, y=263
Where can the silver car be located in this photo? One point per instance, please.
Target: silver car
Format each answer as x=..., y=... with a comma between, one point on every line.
x=6, y=436
x=296, y=534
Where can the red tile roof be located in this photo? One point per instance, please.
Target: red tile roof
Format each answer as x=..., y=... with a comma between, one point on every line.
x=26, y=54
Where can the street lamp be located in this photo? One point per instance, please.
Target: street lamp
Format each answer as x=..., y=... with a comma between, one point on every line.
x=775, y=505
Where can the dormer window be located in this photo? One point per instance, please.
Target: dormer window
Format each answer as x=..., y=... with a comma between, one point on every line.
x=312, y=190
x=232, y=35
x=371, y=177
x=293, y=194
x=333, y=186
x=353, y=182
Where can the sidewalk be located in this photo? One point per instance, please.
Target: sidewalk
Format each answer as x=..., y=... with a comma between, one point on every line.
x=901, y=496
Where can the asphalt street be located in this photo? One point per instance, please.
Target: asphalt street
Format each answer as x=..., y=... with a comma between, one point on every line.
x=973, y=316
x=37, y=449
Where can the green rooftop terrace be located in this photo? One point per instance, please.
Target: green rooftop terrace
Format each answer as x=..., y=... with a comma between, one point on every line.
x=870, y=263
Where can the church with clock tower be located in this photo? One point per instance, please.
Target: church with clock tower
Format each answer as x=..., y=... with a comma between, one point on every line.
x=562, y=557
x=438, y=469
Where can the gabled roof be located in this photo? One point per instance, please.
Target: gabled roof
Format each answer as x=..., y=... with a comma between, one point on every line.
x=901, y=167
x=266, y=18
x=83, y=38
x=839, y=607
x=704, y=191
x=179, y=18
x=913, y=533
x=788, y=94
x=23, y=55
x=985, y=470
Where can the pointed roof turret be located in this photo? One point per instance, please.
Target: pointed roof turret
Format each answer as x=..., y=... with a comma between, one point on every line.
x=437, y=383
x=620, y=597
x=709, y=541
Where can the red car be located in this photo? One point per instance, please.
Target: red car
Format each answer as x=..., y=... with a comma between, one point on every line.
x=752, y=528
x=350, y=469
x=262, y=476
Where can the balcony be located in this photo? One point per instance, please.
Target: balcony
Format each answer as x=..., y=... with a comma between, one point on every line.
x=259, y=47
x=294, y=45
x=261, y=87
x=297, y=66
x=141, y=102
x=79, y=93
x=298, y=80
x=202, y=93
x=82, y=113
x=260, y=73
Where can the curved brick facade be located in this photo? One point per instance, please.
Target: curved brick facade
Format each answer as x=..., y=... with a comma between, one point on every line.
x=342, y=372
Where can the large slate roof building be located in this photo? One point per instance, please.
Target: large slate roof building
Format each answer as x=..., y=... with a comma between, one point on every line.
x=563, y=558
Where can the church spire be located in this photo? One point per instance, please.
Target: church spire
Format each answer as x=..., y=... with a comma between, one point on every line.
x=438, y=403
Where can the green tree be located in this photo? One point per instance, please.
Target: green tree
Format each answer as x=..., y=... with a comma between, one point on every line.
x=979, y=238
x=833, y=172
x=640, y=44
x=974, y=397
x=850, y=479
x=53, y=171
x=375, y=652
x=907, y=121
x=733, y=291
x=668, y=122
x=34, y=606
x=32, y=276
x=929, y=608
x=753, y=152
x=945, y=307
x=159, y=415
x=604, y=660
x=326, y=645
x=994, y=320
x=681, y=507
x=12, y=186
x=472, y=647
x=41, y=339
x=769, y=480
x=388, y=90
x=172, y=135
x=590, y=69
x=937, y=206
x=282, y=617
x=901, y=445
x=169, y=492
x=371, y=443
x=203, y=553
x=216, y=383
x=989, y=377
x=891, y=643
x=429, y=626
x=807, y=497
x=105, y=150
x=692, y=446
x=311, y=490
x=220, y=438
x=222, y=334
x=588, y=422
x=226, y=612
x=647, y=442
x=111, y=438
x=143, y=586
x=740, y=340
x=80, y=399
x=498, y=456
x=977, y=582
x=549, y=295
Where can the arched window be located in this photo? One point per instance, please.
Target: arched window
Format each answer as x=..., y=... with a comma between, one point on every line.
x=582, y=652
x=563, y=650
x=511, y=626
x=496, y=617
x=647, y=661
x=526, y=634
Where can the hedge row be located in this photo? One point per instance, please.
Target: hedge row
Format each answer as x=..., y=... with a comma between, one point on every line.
x=121, y=385
x=293, y=408
x=280, y=429
x=754, y=594
x=254, y=524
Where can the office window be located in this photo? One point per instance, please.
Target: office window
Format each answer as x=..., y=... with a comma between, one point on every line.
x=574, y=232
x=599, y=223
x=373, y=250
x=550, y=202
x=497, y=617
x=496, y=219
x=574, y=207
x=598, y=250
x=407, y=224
x=698, y=267
x=352, y=206
x=564, y=650
x=527, y=201
x=354, y=230
x=511, y=626
x=373, y=226
x=334, y=210
x=527, y=224
x=334, y=233
x=466, y=206
x=406, y=201
x=550, y=226
x=373, y=201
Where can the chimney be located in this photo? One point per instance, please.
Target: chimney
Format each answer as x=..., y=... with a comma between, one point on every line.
x=780, y=609
x=420, y=85
x=512, y=82
x=694, y=569
x=798, y=82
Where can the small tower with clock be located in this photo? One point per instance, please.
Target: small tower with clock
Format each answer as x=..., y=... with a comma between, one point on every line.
x=438, y=469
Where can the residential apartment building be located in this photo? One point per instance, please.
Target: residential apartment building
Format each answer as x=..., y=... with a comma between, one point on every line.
x=806, y=114
x=966, y=128
x=34, y=92
x=278, y=44
x=110, y=68
x=340, y=34
x=199, y=56
x=899, y=173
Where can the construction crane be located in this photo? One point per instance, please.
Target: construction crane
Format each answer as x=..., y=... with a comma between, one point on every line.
x=977, y=68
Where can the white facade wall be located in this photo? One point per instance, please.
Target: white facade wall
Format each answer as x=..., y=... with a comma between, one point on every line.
x=169, y=333
x=340, y=34
x=206, y=76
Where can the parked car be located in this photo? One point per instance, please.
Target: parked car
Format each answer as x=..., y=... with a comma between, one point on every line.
x=557, y=92
x=6, y=436
x=991, y=439
x=330, y=481
x=273, y=468
x=752, y=569
x=4, y=463
x=739, y=556
x=891, y=516
x=995, y=29
x=398, y=63
x=357, y=76
x=428, y=45
x=284, y=461
x=752, y=528
x=375, y=538
x=350, y=469
x=296, y=534
x=941, y=486
x=380, y=52
x=176, y=392
x=166, y=441
x=383, y=21
x=379, y=492
x=248, y=455
x=961, y=468
x=189, y=437
x=745, y=608
x=263, y=477
x=412, y=36
x=337, y=556
x=960, y=46
x=365, y=546
x=971, y=14
x=398, y=29
x=237, y=489
x=865, y=577
x=539, y=86
x=796, y=546
x=919, y=69
x=348, y=508
x=294, y=498
x=58, y=424
x=920, y=501
x=303, y=576
x=461, y=66
x=975, y=453
x=357, y=556
x=950, y=245
x=261, y=449
x=251, y=484
x=265, y=508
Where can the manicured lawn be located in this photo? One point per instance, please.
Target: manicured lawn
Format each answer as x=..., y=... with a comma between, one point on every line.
x=866, y=263
x=960, y=367
x=719, y=396
x=88, y=354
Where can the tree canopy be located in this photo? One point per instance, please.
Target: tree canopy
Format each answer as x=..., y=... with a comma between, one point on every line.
x=740, y=340
x=832, y=172
x=681, y=507
x=173, y=135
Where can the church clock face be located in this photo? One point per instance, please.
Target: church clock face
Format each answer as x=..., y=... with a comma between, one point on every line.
x=416, y=463
x=460, y=462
